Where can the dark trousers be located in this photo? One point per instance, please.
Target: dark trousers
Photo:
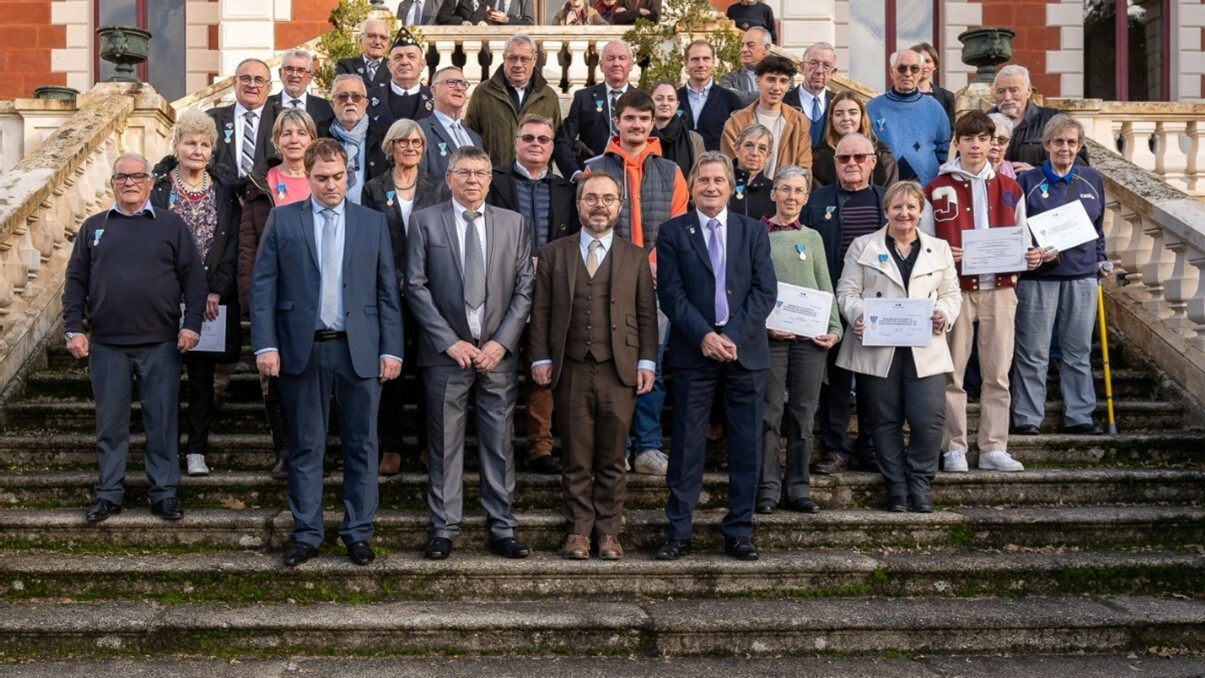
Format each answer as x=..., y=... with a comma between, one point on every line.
x=594, y=411
x=901, y=397
x=744, y=395
x=834, y=414
x=796, y=370
x=156, y=367
x=394, y=394
x=307, y=396
x=201, y=369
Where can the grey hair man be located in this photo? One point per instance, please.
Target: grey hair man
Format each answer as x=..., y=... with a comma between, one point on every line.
x=370, y=64
x=296, y=72
x=1012, y=89
x=755, y=45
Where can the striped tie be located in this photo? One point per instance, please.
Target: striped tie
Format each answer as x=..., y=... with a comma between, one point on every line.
x=474, y=263
x=247, y=153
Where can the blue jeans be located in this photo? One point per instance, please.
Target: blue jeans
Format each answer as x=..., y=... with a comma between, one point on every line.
x=646, y=423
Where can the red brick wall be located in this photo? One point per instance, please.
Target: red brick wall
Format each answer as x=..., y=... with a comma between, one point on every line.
x=25, y=47
x=308, y=22
x=1034, y=37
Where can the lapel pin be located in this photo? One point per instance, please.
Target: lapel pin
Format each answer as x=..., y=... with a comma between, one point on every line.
x=883, y=260
x=280, y=191
x=801, y=250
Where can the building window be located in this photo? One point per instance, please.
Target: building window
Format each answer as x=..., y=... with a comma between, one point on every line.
x=165, y=68
x=1137, y=41
x=880, y=27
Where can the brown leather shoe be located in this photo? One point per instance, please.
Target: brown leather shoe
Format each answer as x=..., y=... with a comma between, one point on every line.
x=609, y=548
x=391, y=464
x=577, y=547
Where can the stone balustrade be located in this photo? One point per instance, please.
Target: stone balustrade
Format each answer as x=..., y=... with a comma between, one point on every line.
x=46, y=196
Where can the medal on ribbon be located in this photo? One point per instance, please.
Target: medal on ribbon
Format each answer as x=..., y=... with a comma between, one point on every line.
x=280, y=191
x=801, y=251
x=443, y=149
x=883, y=260
x=828, y=212
x=740, y=192
x=389, y=197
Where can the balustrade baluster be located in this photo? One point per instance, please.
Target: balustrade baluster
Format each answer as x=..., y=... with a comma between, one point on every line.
x=1134, y=248
x=1170, y=161
x=579, y=69
x=1195, y=308
x=1156, y=269
x=1196, y=166
x=1180, y=286
x=1139, y=144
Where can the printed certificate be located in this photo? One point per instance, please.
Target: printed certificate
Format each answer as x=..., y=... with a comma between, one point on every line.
x=994, y=250
x=801, y=311
x=897, y=322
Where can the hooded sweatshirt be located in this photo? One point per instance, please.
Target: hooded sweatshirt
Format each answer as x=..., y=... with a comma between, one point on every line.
x=653, y=190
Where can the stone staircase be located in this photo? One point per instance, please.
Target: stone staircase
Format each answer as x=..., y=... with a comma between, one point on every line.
x=1095, y=548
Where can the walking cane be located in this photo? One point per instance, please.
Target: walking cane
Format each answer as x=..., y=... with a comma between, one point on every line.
x=1104, y=346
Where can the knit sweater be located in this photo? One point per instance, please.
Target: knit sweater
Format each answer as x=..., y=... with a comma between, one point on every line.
x=755, y=15
x=810, y=272
x=915, y=128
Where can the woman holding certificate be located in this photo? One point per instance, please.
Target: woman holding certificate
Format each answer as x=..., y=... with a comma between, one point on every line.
x=796, y=362
x=898, y=288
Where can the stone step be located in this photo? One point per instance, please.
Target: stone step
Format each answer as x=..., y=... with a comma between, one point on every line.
x=644, y=531
x=50, y=489
x=248, y=417
x=254, y=452
x=247, y=577
x=673, y=628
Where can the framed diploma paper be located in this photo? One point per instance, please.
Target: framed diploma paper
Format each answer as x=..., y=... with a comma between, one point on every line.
x=897, y=322
x=213, y=332
x=1063, y=227
x=801, y=311
x=994, y=250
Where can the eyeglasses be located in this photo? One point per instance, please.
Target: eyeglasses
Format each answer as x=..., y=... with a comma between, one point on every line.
x=1001, y=140
x=377, y=36
x=295, y=70
x=465, y=175
x=516, y=59
x=457, y=83
x=532, y=138
x=788, y=190
x=846, y=158
x=596, y=200
x=252, y=80
x=408, y=143
x=122, y=179
x=904, y=69
x=752, y=146
x=343, y=97
x=820, y=65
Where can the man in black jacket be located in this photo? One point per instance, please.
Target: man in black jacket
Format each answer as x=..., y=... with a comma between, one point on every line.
x=591, y=120
x=1012, y=90
x=296, y=71
x=705, y=105
x=370, y=65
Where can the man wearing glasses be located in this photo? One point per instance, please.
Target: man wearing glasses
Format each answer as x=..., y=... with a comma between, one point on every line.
x=546, y=201
x=245, y=127
x=470, y=317
x=130, y=269
x=361, y=141
x=906, y=120
x=591, y=120
x=444, y=129
x=296, y=72
x=516, y=89
x=811, y=97
x=370, y=65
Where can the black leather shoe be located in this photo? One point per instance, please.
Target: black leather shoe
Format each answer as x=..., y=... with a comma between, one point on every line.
x=298, y=553
x=508, y=548
x=1026, y=430
x=765, y=507
x=834, y=464
x=360, y=553
x=740, y=548
x=1083, y=430
x=167, y=509
x=896, y=505
x=921, y=503
x=545, y=464
x=438, y=548
x=673, y=549
x=101, y=509
x=804, y=505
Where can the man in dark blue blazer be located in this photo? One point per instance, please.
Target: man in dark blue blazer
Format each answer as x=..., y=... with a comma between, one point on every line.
x=589, y=126
x=444, y=128
x=326, y=319
x=705, y=105
x=371, y=64
x=716, y=284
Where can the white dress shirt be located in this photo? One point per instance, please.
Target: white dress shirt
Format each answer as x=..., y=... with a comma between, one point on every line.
x=239, y=121
x=473, y=316
x=403, y=91
x=697, y=99
x=286, y=98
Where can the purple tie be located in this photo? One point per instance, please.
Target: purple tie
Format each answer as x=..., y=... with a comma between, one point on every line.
x=716, y=250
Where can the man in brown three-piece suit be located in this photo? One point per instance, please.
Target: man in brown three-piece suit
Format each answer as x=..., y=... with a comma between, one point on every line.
x=593, y=337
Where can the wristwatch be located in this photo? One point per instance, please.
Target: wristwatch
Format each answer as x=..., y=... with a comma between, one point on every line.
x=72, y=335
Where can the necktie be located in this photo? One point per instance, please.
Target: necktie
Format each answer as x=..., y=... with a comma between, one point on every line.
x=329, y=311
x=372, y=70
x=592, y=257
x=295, y=103
x=716, y=251
x=247, y=153
x=815, y=109
x=418, y=12
x=474, y=263
x=462, y=138
x=611, y=111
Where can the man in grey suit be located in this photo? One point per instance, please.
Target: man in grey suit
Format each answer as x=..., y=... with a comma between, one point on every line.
x=326, y=320
x=468, y=283
x=445, y=128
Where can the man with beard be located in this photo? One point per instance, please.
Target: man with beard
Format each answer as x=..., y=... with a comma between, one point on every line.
x=593, y=338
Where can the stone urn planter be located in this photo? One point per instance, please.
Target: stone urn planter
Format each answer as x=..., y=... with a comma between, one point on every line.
x=125, y=47
x=985, y=49
x=55, y=92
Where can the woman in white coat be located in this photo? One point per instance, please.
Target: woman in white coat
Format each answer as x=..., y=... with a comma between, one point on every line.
x=905, y=384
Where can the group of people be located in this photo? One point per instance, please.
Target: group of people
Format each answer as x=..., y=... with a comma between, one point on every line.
x=404, y=227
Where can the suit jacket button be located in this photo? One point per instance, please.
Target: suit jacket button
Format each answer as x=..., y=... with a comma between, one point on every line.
x=878, y=294
x=615, y=327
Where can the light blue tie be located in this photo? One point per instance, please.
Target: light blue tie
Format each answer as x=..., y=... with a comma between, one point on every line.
x=329, y=311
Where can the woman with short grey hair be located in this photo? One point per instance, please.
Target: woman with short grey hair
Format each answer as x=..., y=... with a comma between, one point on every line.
x=751, y=192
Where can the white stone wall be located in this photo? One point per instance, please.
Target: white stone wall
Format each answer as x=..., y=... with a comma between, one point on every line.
x=199, y=15
x=956, y=17
x=75, y=60
x=1188, y=59
x=247, y=29
x=1067, y=61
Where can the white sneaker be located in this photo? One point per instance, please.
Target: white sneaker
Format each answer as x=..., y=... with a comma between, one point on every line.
x=999, y=460
x=652, y=462
x=954, y=461
x=196, y=465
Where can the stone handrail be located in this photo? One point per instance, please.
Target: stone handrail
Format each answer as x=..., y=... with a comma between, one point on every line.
x=1159, y=136
x=47, y=196
x=1155, y=236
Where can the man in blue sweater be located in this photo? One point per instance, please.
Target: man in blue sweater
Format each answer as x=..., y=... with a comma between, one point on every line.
x=131, y=268
x=913, y=126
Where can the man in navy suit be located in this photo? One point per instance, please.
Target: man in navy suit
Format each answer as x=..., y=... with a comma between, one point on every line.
x=812, y=97
x=370, y=65
x=245, y=126
x=296, y=72
x=404, y=96
x=716, y=283
x=445, y=128
x=326, y=319
x=591, y=120
x=705, y=106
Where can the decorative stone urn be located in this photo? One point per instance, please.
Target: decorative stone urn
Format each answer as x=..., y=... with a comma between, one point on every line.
x=125, y=47
x=55, y=92
x=985, y=48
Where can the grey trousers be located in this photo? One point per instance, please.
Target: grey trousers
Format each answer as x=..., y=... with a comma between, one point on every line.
x=156, y=367
x=901, y=397
x=1041, y=304
x=793, y=381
